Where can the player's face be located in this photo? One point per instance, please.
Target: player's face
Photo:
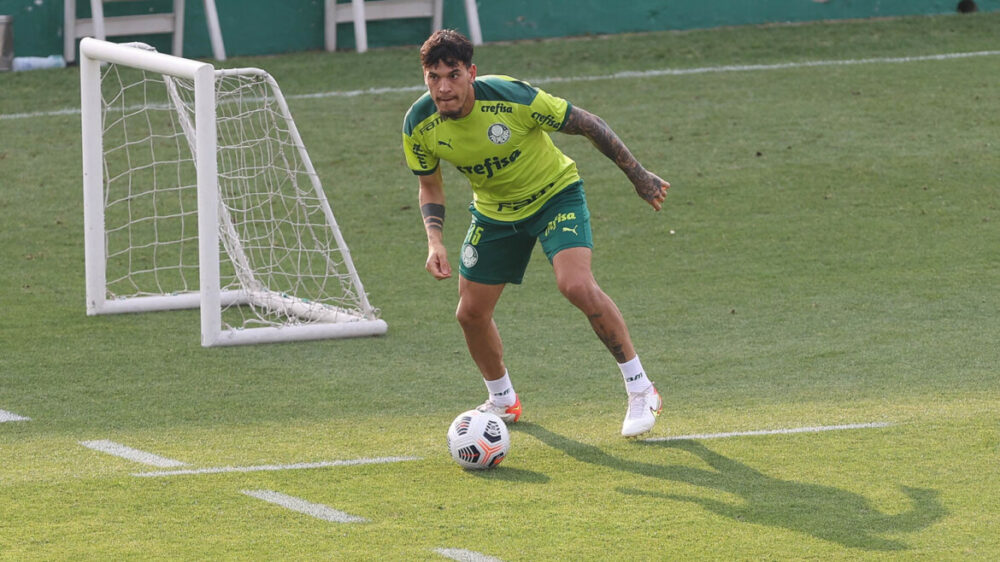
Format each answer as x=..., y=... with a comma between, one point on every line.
x=451, y=88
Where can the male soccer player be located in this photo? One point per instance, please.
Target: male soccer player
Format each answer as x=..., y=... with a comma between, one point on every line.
x=495, y=130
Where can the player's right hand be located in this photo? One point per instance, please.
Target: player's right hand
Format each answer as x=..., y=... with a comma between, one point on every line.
x=652, y=189
x=437, y=263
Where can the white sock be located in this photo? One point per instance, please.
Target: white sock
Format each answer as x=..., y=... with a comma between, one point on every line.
x=635, y=378
x=501, y=390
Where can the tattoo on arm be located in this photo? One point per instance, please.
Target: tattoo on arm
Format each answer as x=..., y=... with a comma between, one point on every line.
x=582, y=122
x=433, y=214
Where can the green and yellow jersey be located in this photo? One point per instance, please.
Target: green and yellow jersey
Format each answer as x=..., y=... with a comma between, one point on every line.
x=502, y=146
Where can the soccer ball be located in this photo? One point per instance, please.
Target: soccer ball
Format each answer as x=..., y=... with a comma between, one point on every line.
x=478, y=440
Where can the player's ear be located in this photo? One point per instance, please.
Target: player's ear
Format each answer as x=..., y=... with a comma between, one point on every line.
x=472, y=71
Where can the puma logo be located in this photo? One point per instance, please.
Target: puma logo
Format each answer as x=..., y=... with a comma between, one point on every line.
x=446, y=143
x=573, y=230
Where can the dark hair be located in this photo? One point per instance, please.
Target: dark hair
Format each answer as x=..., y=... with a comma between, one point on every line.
x=448, y=46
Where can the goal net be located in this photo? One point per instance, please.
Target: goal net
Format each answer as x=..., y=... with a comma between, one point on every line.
x=198, y=191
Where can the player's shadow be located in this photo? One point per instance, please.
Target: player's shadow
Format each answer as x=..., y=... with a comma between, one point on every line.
x=823, y=512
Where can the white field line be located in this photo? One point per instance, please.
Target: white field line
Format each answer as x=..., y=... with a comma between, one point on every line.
x=814, y=429
x=317, y=510
x=758, y=67
x=614, y=76
x=6, y=416
x=274, y=467
x=135, y=455
x=463, y=555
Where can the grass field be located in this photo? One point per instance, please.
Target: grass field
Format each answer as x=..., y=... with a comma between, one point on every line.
x=827, y=255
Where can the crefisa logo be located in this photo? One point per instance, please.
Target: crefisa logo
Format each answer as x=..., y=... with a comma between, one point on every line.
x=498, y=133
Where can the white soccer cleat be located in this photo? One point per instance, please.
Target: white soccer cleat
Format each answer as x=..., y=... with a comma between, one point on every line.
x=509, y=414
x=643, y=407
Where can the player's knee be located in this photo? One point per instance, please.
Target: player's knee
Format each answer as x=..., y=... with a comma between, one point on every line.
x=470, y=316
x=583, y=293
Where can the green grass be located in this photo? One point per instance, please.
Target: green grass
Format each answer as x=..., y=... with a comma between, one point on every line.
x=827, y=255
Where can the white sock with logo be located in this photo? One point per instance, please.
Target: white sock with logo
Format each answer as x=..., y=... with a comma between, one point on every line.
x=501, y=390
x=635, y=377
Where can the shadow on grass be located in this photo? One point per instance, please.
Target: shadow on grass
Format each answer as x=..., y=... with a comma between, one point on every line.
x=823, y=512
x=511, y=475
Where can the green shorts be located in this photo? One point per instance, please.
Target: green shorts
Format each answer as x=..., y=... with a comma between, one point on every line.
x=496, y=252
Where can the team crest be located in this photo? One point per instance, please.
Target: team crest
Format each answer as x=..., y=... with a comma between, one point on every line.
x=470, y=257
x=498, y=133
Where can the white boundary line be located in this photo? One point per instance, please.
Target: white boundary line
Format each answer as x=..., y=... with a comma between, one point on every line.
x=614, y=76
x=6, y=416
x=675, y=72
x=135, y=455
x=814, y=429
x=778, y=66
x=274, y=467
x=463, y=555
x=317, y=510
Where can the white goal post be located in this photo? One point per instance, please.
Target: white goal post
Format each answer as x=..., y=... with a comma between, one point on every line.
x=198, y=192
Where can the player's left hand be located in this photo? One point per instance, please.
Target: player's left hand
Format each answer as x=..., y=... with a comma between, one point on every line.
x=652, y=189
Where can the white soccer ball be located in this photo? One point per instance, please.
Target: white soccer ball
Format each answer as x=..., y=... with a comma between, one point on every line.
x=478, y=440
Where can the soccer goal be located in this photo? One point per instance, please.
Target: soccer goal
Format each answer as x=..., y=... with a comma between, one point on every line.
x=198, y=191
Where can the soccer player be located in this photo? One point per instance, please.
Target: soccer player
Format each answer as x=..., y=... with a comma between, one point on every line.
x=495, y=130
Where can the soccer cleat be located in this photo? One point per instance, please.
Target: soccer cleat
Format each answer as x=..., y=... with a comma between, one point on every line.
x=509, y=414
x=643, y=407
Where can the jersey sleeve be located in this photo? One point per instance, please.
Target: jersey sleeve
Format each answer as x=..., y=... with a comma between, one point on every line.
x=549, y=111
x=418, y=158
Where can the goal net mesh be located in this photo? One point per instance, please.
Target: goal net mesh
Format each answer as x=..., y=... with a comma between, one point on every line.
x=282, y=259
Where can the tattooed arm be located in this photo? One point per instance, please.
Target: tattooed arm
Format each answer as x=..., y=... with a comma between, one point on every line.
x=431, y=199
x=647, y=184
